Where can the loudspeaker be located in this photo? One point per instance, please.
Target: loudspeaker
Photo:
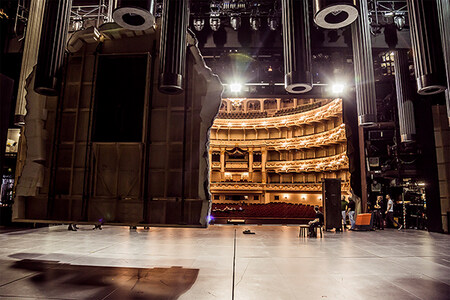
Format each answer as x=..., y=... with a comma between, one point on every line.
x=331, y=195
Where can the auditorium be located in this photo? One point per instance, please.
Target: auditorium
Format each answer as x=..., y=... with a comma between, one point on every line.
x=225, y=149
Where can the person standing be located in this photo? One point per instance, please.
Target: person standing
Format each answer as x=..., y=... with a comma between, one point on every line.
x=390, y=213
x=351, y=213
x=344, y=204
x=377, y=210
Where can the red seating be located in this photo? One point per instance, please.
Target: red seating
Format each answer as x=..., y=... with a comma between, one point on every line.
x=269, y=210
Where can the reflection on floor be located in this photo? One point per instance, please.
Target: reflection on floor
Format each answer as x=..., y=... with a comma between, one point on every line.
x=168, y=263
x=56, y=280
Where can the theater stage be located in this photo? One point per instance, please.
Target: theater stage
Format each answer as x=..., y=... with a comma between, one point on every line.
x=168, y=263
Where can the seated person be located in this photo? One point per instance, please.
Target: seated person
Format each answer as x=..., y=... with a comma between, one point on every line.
x=318, y=221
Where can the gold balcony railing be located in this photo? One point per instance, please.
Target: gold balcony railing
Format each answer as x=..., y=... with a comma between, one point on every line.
x=330, y=110
x=330, y=163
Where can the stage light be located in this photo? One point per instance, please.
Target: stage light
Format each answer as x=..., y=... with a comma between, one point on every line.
x=255, y=23
x=199, y=24
x=214, y=23
x=235, y=87
x=399, y=21
x=338, y=88
x=235, y=22
x=273, y=23
x=77, y=24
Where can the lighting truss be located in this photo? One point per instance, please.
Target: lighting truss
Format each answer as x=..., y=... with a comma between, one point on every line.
x=94, y=15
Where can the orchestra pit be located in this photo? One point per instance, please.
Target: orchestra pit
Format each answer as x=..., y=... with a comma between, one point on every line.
x=225, y=149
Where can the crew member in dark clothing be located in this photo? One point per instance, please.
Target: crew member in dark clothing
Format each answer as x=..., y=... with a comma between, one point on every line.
x=377, y=211
x=351, y=213
x=344, y=204
x=318, y=221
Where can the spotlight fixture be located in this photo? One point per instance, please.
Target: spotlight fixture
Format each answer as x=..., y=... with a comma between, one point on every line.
x=214, y=23
x=235, y=22
x=199, y=24
x=399, y=21
x=272, y=22
x=214, y=6
x=255, y=23
x=235, y=87
x=77, y=23
x=337, y=88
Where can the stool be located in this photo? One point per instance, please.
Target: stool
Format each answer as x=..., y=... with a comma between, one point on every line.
x=304, y=230
x=318, y=230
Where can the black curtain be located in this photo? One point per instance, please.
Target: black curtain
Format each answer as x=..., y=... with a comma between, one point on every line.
x=427, y=162
x=350, y=117
x=6, y=90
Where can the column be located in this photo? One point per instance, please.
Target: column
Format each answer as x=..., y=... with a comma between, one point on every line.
x=250, y=165
x=263, y=165
x=295, y=102
x=210, y=159
x=261, y=105
x=222, y=164
x=278, y=104
x=228, y=106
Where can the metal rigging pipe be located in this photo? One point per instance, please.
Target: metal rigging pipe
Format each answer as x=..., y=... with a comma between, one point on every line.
x=172, y=53
x=334, y=14
x=296, y=46
x=404, y=97
x=363, y=64
x=52, y=46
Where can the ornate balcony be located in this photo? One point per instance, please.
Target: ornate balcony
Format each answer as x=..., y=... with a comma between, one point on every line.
x=330, y=163
x=236, y=165
x=331, y=110
x=291, y=187
x=257, y=165
x=333, y=136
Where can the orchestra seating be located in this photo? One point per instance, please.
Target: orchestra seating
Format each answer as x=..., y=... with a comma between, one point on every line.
x=270, y=213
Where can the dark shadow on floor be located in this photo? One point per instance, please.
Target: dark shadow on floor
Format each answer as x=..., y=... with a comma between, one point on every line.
x=63, y=281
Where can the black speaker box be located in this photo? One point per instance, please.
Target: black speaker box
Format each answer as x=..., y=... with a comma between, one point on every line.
x=331, y=195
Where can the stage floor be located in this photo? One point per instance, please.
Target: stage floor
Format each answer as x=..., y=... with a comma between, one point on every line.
x=182, y=263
